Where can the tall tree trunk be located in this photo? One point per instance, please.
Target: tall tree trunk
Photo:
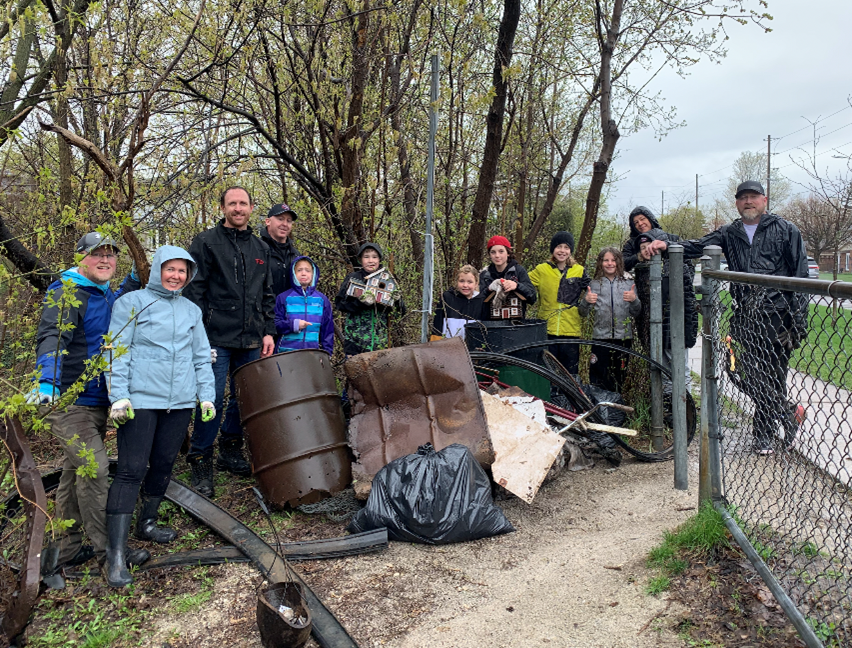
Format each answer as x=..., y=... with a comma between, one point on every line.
x=558, y=178
x=609, y=129
x=494, y=132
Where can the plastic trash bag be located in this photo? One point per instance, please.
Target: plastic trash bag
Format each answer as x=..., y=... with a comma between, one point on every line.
x=432, y=498
x=610, y=415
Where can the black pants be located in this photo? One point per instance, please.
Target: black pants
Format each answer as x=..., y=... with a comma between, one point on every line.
x=153, y=437
x=608, y=367
x=567, y=354
x=762, y=372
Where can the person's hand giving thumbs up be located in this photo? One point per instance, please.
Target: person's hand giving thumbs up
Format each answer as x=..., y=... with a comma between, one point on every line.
x=630, y=295
x=591, y=297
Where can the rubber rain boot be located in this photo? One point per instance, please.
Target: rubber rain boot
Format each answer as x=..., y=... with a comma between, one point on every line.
x=202, y=475
x=146, y=522
x=231, y=457
x=118, y=526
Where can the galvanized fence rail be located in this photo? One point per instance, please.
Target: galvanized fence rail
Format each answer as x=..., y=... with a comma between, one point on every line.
x=776, y=452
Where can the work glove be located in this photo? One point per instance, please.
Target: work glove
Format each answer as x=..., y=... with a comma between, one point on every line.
x=122, y=411
x=44, y=394
x=208, y=410
x=133, y=273
x=213, y=355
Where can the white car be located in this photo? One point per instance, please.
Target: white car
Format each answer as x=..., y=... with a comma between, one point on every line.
x=813, y=268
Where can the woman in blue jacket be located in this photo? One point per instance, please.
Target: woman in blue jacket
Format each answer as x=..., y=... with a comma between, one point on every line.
x=154, y=387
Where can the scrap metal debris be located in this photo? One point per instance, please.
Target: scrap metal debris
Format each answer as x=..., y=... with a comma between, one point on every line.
x=409, y=396
x=29, y=485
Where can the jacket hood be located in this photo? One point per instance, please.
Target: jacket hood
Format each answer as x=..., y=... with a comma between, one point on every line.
x=163, y=254
x=295, y=282
x=647, y=213
x=74, y=275
x=374, y=246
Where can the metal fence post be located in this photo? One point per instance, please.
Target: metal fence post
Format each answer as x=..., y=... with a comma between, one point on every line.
x=656, y=320
x=678, y=351
x=709, y=461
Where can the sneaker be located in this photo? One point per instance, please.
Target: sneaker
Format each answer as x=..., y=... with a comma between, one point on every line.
x=763, y=449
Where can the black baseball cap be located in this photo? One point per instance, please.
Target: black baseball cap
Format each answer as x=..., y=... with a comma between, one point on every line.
x=94, y=240
x=281, y=208
x=750, y=185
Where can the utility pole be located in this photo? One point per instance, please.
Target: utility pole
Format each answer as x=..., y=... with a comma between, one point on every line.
x=768, y=167
x=696, y=195
x=663, y=202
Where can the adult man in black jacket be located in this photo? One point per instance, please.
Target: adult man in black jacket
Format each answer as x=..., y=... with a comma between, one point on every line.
x=233, y=289
x=276, y=234
x=766, y=325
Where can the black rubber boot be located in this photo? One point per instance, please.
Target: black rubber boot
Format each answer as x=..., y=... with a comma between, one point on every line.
x=146, y=522
x=231, y=457
x=118, y=526
x=202, y=475
x=136, y=557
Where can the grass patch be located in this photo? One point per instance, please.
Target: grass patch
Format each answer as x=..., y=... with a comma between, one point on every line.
x=698, y=537
x=658, y=584
x=189, y=602
x=827, y=354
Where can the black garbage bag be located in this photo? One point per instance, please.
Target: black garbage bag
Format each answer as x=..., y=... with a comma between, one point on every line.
x=432, y=498
x=610, y=415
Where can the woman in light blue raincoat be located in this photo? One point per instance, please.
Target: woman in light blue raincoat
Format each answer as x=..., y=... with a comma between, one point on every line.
x=154, y=388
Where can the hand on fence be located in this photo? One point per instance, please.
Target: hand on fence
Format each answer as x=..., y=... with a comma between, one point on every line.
x=208, y=411
x=121, y=412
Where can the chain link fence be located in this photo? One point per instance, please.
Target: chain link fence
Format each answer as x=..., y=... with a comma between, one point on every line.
x=784, y=401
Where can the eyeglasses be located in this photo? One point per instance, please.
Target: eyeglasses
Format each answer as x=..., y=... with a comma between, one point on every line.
x=106, y=257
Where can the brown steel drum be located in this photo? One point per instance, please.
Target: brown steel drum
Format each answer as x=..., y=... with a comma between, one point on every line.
x=294, y=425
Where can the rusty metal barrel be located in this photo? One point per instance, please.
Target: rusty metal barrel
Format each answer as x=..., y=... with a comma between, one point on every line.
x=294, y=425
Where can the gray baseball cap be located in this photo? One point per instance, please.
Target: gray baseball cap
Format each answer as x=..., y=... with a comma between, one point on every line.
x=750, y=185
x=94, y=240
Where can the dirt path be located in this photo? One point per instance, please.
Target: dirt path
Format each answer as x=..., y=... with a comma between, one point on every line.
x=573, y=574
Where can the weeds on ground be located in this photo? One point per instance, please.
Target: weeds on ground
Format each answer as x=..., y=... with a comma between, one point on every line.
x=699, y=536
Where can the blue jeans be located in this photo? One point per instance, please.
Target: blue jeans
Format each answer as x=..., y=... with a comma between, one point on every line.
x=204, y=434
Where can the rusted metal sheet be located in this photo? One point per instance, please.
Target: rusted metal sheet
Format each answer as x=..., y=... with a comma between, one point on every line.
x=409, y=396
x=524, y=448
x=35, y=503
x=294, y=425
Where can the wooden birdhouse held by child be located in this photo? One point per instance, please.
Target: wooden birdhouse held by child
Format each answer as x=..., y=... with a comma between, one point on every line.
x=377, y=288
x=510, y=308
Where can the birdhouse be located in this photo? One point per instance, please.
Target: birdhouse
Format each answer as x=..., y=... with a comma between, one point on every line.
x=509, y=309
x=377, y=288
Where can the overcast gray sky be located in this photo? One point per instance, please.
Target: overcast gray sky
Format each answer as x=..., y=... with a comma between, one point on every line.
x=766, y=85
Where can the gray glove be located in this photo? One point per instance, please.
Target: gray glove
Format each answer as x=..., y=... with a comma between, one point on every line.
x=213, y=354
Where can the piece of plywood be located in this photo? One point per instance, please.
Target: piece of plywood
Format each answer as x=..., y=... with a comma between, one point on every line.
x=524, y=450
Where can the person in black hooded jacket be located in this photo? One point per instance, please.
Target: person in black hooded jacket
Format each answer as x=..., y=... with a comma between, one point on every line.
x=458, y=306
x=643, y=287
x=366, y=327
x=641, y=220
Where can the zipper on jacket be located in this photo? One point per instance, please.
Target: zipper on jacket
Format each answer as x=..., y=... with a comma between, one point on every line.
x=611, y=311
x=172, y=381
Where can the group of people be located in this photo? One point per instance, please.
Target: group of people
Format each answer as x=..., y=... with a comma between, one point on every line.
x=234, y=297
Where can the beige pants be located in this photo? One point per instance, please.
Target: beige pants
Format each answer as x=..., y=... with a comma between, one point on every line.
x=82, y=498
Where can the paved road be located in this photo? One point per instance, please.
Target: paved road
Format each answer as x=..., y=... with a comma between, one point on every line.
x=825, y=438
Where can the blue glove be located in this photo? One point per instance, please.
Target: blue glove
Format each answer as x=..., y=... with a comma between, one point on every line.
x=44, y=394
x=133, y=274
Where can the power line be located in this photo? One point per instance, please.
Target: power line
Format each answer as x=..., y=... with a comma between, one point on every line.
x=811, y=141
x=847, y=107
